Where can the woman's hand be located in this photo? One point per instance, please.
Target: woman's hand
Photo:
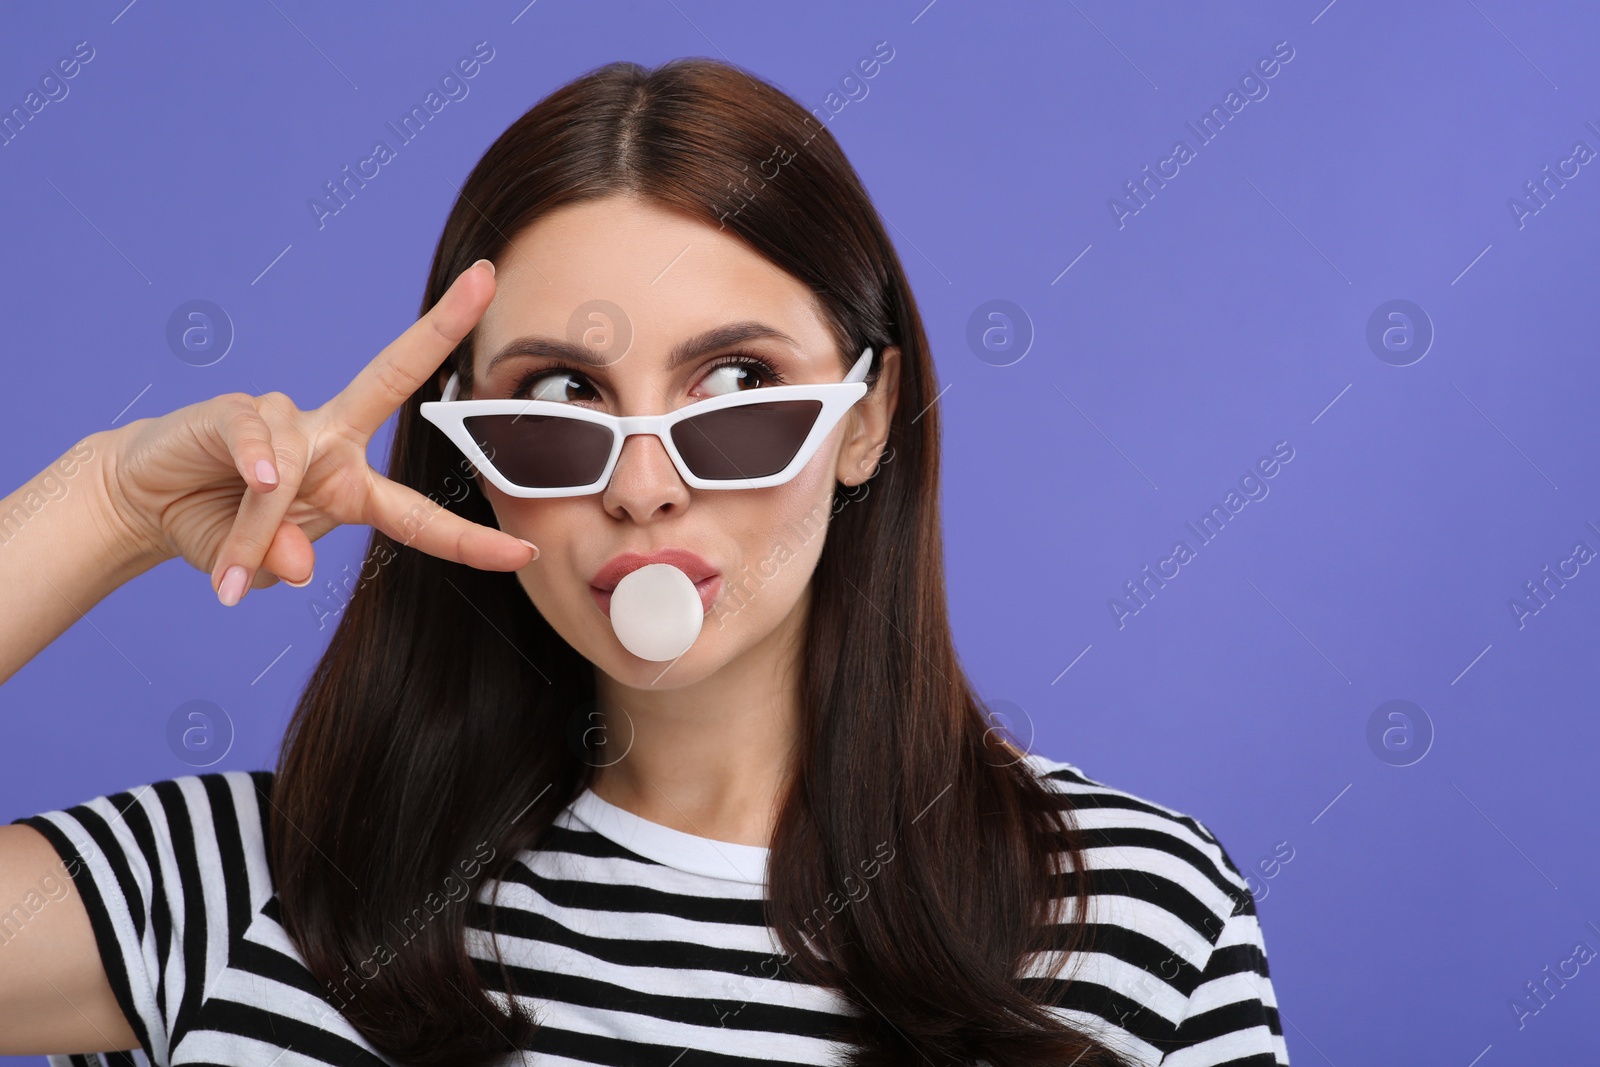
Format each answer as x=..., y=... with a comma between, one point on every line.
x=241, y=485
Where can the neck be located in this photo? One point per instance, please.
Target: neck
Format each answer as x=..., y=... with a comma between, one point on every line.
x=711, y=758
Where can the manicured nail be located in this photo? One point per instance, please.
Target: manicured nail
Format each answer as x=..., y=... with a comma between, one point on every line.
x=301, y=585
x=486, y=263
x=232, y=587
x=265, y=472
x=533, y=546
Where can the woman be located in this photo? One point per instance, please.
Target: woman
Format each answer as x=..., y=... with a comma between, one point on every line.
x=492, y=829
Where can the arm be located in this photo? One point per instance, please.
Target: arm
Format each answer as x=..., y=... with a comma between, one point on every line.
x=63, y=547
x=82, y=951
x=62, y=550
x=55, y=997
x=168, y=875
x=239, y=486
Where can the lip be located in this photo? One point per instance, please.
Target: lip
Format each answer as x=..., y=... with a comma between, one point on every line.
x=706, y=578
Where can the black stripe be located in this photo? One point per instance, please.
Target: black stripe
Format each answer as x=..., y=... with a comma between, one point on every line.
x=734, y=1012
x=1236, y=959
x=138, y=823
x=620, y=897
x=230, y=851
x=1155, y=889
x=274, y=965
x=1138, y=949
x=1095, y=999
x=105, y=935
x=1070, y=774
x=195, y=928
x=306, y=1038
x=582, y=841
x=1185, y=853
x=106, y=841
x=638, y=952
x=1221, y=1021
x=1116, y=799
x=1244, y=901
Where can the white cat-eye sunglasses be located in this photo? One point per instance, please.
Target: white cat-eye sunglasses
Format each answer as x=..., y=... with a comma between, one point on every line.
x=743, y=440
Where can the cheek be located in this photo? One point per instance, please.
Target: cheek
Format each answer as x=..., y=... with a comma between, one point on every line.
x=538, y=520
x=802, y=509
x=558, y=526
x=780, y=534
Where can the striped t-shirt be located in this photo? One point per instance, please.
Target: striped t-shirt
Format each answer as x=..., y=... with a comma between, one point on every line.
x=635, y=943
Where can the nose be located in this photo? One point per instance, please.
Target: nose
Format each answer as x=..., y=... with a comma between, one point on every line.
x=645, y=486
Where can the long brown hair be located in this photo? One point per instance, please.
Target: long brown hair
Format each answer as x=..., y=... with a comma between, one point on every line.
x=443, y=730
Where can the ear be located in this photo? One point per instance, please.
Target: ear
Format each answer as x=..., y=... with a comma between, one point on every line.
x=868, y=423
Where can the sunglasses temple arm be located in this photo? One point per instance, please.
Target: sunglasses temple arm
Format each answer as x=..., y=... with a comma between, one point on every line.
x=858, y=373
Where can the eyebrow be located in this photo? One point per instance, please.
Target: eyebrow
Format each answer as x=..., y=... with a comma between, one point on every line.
x=725, y=336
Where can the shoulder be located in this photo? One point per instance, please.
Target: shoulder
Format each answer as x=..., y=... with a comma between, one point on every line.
x=170, y=873
x=211, y=825
x=1175, y=967
x=200, y=805
x=1144, y=851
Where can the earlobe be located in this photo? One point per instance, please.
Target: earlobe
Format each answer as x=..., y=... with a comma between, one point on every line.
x=867, y=467
x=857, y=456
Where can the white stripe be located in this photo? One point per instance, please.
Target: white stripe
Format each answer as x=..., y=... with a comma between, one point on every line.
x=1241, y=929
x=1222, y=1049
x=212, y=1046
x=724, y=1039
x=640, y=926
x=1135, y=983
x=1229, y=989
x=1135, y=1049
x=137, y=955
x=699, y=982
x=1156, y=923
x=1137, y=858
x=570, y=866
x=214, y=888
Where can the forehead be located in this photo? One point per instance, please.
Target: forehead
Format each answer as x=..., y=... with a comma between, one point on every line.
x=663, y=274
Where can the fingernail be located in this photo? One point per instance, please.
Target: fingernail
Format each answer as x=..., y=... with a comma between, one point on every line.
x=232, y=587
x=533, y=546
x=265, y=472
x=302, y=585
x=486, y=263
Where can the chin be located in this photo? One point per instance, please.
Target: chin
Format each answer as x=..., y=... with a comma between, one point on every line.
x=705, y=657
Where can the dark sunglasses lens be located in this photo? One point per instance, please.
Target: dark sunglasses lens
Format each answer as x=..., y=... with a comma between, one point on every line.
x=747, y=441
x=542, y=451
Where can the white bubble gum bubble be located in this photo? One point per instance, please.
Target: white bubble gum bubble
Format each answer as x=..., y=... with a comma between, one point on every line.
x=656, y=612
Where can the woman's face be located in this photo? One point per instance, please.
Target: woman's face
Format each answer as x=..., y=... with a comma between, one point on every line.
x=630, y=282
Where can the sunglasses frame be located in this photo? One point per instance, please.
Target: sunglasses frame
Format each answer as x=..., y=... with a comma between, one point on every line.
x=450, y=415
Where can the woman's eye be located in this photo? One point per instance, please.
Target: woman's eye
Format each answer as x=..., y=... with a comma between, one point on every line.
x=566, y=385
x=555, y=384
x=739, y=375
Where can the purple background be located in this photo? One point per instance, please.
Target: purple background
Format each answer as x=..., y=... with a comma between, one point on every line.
x=1228, y=314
